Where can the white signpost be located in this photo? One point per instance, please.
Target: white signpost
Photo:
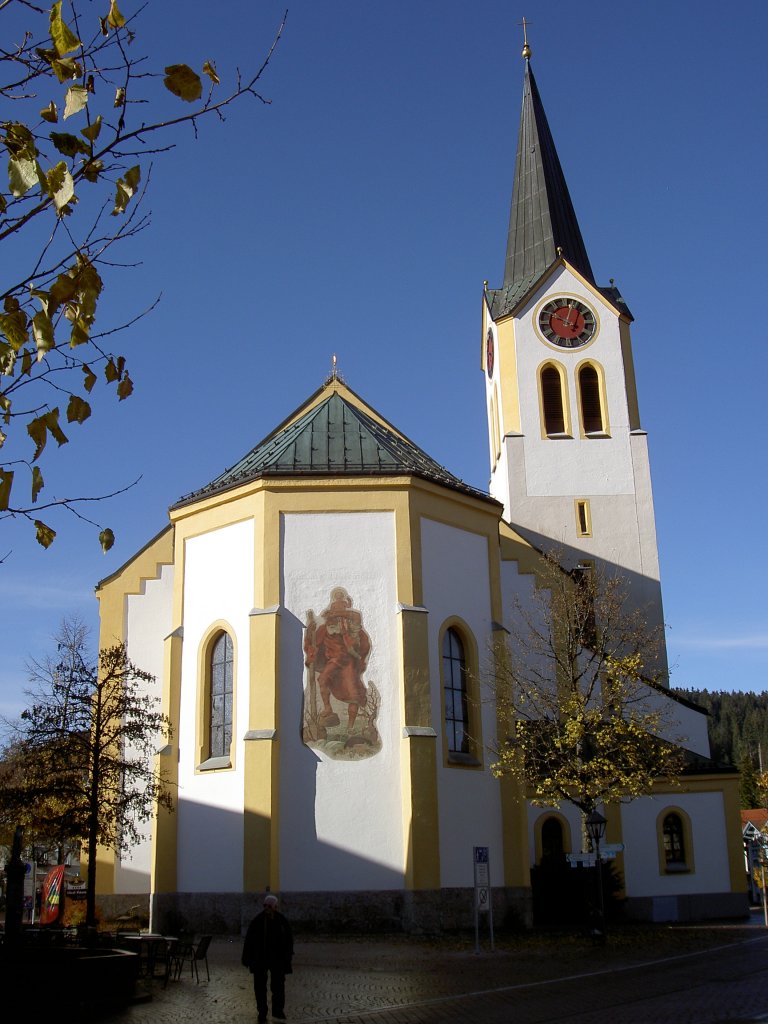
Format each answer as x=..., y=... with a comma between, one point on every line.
x=483, y=901
x=588, y=860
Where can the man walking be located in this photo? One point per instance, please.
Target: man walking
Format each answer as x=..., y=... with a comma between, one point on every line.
x=268, y=948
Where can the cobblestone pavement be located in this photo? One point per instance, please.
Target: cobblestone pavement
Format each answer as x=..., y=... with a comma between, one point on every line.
x=685, y=976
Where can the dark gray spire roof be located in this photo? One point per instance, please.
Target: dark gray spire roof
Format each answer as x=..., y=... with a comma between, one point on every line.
x=334, y=437
x=542, y=222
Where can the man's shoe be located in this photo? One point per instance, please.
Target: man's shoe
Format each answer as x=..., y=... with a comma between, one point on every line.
x=278, y=1016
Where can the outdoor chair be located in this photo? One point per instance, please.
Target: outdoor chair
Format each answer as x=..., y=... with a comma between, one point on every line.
x=192, y=954
x=165, y=959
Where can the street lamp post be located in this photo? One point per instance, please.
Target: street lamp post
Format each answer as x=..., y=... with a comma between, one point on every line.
x=595, y=824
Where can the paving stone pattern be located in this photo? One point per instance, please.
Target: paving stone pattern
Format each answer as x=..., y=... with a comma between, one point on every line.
x=700, y=978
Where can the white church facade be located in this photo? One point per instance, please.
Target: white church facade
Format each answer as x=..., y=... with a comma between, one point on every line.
x=318, y=619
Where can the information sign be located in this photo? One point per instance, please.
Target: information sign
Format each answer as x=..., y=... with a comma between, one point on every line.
x=483, y=891
x=482, y=876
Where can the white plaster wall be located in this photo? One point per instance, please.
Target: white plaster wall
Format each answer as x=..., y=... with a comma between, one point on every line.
x=148, y=618
x=516, y=587
x=679, y=724
x=340, y=821
x=641, y=858
x=456, y=583
x=218, y=585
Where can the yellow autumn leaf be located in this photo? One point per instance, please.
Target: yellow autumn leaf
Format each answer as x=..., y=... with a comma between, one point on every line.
x=183, y=82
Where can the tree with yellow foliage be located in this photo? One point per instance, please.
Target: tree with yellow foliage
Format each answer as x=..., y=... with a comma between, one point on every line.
x=583, y=715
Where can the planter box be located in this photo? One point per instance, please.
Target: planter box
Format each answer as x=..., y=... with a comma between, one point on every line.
x=73, y=975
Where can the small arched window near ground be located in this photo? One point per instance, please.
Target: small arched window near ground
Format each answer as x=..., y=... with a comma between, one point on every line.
x=455, y=693
x=552, y=401
x=221, y=696
x=552, y=844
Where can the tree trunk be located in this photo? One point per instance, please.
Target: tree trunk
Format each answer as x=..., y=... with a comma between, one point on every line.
x=93, y=813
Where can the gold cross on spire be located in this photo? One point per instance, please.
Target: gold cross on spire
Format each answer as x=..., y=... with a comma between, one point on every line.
x=526, y=47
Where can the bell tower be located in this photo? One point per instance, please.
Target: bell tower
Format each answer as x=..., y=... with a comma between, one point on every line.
x=568, y=456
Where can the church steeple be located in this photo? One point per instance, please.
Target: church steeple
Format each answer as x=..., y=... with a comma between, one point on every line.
x=568, y=456
x=542, y=222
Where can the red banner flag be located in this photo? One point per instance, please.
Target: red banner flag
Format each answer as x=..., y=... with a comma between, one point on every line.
x=50, y=905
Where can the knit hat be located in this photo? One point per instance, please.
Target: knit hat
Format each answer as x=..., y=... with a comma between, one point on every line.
x=270, y=900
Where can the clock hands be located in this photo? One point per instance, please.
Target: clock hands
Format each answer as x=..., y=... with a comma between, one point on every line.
x=567, y=321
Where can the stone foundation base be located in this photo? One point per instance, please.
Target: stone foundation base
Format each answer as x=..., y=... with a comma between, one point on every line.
x=427, y=912
x=695, y=907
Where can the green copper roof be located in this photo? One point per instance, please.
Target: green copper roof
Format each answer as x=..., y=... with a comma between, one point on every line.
x=542, y=222
x=333, y=438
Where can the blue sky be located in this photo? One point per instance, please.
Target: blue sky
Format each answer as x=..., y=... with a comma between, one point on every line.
x=359, y=214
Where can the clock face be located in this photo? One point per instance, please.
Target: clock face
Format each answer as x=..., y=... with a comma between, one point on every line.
x=567, y=323
x=489, y=353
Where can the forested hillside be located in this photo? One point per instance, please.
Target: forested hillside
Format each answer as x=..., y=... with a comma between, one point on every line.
x=738, y=725
x=738, y=733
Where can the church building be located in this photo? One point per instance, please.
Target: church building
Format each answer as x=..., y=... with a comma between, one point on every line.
x=318, y=619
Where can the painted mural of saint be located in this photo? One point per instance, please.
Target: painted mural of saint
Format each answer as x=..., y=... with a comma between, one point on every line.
x=336, y=652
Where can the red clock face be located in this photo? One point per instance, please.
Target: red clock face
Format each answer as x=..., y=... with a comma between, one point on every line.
x=489, y=353
x=567, y=323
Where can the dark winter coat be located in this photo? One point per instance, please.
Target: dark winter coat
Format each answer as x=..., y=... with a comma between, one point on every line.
x=268, y=943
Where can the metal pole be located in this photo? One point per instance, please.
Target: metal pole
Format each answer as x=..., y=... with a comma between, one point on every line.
x=765, y=898
x=490, y=916
x=599, y=882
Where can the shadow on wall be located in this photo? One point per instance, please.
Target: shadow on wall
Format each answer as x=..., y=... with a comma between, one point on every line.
x=213, y=863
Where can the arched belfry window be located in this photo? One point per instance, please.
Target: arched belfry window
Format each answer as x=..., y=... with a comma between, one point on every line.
x=455, y=693
x=221, y=695
x=593, y=419
x=552, y=400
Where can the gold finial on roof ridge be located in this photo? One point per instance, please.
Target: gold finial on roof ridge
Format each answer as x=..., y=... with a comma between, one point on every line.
x=526, y=47
x=334, y=377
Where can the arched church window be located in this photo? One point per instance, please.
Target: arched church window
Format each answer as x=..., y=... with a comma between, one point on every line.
x=592, y=417
x=221, y=695
x=455, y=693
x=674, y=841
x=552, y=401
